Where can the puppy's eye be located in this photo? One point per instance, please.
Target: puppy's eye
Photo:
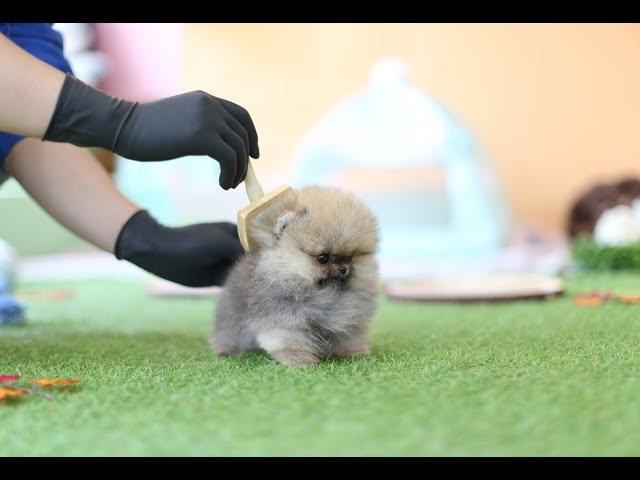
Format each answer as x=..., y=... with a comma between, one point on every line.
x=323, y=258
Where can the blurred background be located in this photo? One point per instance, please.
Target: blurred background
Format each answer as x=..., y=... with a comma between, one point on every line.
x=470, y=141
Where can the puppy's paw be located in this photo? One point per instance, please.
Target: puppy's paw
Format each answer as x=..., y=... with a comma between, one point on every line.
x=232, y=352
x=345, y=351
x=288, y=347
x=225, y=349
x=294, y=357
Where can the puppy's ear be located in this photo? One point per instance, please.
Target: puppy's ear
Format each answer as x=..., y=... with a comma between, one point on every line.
x=282, y=222
x=285, y=219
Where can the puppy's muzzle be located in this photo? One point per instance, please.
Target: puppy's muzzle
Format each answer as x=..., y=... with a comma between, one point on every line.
x=339, y=272
x=337, y=275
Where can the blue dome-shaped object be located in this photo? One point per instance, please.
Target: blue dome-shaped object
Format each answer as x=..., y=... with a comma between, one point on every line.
x=418, y=167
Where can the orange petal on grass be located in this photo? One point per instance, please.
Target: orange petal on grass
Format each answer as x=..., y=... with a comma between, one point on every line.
x=55, y=382
x=8, y=392
x=588, y=301
x=60, y=294
x=628, y=298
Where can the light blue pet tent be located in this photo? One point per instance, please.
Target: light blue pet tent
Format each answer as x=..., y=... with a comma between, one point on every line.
x=394, y=129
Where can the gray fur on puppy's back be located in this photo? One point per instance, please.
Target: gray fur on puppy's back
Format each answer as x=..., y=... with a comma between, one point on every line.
x=231, y=311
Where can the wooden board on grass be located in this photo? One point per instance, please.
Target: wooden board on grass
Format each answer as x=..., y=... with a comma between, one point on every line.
x=485, y=288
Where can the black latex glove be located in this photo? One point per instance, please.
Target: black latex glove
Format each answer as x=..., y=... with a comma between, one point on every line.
x=197, y=255
x=193, y=123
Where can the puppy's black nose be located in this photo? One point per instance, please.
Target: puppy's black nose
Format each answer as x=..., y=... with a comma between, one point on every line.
x=343, y=270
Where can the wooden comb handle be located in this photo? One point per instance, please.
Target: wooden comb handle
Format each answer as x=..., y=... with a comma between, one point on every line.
x=254, y=190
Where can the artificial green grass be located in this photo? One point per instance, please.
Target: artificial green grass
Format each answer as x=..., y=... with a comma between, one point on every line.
x=590, y=256
x=525, y=378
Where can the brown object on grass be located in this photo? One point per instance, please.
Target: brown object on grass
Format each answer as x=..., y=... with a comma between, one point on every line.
x=588, y=301
x=628, y=298
x=60, y=294
x=489, y=288
x=55, y=382
x=596, y=297
x=9, y=392
x=9, y=378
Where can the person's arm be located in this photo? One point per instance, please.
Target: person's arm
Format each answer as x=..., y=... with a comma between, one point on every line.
x=36, y=100
x=29, y=90
x=70, y=185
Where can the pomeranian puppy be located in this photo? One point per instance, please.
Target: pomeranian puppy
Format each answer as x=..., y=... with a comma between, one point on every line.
x=309, y=290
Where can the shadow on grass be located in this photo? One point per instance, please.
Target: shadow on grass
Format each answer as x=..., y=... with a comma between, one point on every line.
x=100, y=344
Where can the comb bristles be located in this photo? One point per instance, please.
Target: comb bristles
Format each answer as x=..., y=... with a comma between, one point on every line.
x=246, y=215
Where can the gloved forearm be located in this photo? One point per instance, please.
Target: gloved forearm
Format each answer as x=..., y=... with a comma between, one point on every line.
x=195, y=255
x=68, y=183
x=193, y=123
x=37, y=100
x=87, y=117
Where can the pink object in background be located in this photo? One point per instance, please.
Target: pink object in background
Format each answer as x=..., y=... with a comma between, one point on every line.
x=143, y=59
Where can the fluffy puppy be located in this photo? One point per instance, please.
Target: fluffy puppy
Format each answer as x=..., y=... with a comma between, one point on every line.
x=309, y=291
